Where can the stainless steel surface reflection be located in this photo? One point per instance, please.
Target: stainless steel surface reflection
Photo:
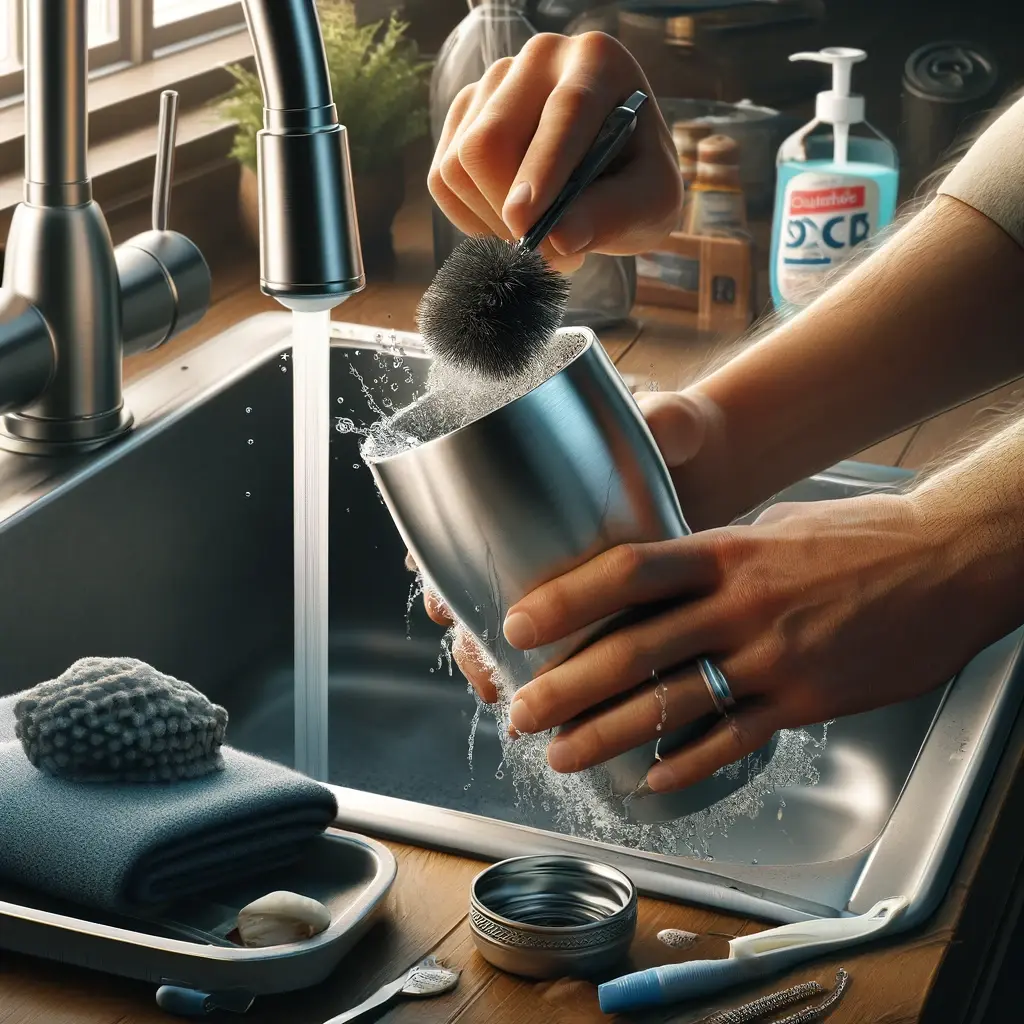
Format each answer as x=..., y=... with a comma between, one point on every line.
x=552, y=917
x=527, y=492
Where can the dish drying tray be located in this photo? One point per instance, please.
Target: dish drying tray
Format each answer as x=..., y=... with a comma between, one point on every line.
x=186, y=946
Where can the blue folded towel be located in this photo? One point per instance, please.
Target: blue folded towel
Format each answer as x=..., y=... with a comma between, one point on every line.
x=129, y=847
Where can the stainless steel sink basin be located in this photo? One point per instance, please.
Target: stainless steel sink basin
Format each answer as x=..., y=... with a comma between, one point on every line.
x=174, y=545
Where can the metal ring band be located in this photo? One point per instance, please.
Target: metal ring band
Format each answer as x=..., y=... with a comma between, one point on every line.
x=718, y=687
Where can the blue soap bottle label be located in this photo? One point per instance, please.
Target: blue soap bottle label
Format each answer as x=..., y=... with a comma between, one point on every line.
x=824, y=218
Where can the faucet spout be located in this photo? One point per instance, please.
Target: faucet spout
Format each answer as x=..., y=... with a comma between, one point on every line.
x=290, y=55
x=310, y=254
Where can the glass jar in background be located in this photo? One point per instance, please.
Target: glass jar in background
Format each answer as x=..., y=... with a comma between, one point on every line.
x=714, y=200
x=603, y=291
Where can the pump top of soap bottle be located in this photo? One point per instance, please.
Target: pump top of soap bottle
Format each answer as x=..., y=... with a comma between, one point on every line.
x=840, y=108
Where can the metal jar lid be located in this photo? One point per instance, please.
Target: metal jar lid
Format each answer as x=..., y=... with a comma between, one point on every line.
x=552, y=916
x=955, y=72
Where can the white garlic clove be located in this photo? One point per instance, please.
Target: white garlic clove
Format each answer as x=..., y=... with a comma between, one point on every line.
x=280, y=918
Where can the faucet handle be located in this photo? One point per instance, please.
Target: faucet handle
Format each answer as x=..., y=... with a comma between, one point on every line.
x=166, y=134
x=165, y=282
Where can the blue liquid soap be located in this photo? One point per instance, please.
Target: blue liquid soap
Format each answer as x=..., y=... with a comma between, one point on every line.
x=834, y=190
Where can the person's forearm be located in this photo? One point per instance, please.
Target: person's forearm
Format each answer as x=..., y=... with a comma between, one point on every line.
x=975, y=510
x=930, y=320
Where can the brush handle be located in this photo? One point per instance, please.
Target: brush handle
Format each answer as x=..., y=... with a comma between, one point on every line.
x=614, y=133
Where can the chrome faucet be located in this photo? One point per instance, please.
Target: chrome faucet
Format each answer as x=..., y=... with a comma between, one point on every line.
x=72, y=305
x=310, y=257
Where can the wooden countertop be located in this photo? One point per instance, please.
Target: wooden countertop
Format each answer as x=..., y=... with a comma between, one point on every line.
x=940, y=973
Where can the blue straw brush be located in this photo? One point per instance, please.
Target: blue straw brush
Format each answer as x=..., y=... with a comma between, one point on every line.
x=750, y=958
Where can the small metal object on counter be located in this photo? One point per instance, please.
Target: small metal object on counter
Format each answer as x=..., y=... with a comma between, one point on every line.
x=182, y=1001
x=426, y=980
x=757, y=1009
x=750, y=957
x=820, y=1010
x=552, y=917
x=946, y=85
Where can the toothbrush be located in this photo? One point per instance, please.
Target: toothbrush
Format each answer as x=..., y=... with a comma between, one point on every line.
x=750, y=957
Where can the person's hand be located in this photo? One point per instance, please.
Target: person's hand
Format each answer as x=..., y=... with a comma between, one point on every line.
x=679, y=425
x=512, y=139
x=818, y=610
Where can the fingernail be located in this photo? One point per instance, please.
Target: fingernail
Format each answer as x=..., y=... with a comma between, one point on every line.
x=521, y=718
x=659, y=779
x=561, y=756
x=520, y=631
x=519, y=195
x=570, y=239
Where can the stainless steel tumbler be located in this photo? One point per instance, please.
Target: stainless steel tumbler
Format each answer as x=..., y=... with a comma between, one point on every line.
x=527, y=492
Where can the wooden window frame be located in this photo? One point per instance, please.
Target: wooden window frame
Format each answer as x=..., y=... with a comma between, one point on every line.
x=139, y=40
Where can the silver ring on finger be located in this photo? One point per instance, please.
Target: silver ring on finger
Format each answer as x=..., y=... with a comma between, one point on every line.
x=718, y=687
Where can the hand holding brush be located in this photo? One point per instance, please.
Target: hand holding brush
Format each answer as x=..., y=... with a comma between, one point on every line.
x=511, y=140
x=494, y=304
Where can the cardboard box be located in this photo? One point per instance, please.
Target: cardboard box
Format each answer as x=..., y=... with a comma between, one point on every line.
x=712, y=276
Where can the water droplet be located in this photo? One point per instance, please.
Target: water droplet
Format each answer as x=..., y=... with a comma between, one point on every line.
x=754, y=861
x=248, y=494
x=248, y=408
x=355, y=465
x=340, y=400
x=431, y=671
x=284, y=369
x=251, y=441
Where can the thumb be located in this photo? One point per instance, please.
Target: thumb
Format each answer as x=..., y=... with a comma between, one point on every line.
x=677, y=422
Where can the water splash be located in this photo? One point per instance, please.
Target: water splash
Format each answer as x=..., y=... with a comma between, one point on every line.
x=583, y=805
x=416, y=589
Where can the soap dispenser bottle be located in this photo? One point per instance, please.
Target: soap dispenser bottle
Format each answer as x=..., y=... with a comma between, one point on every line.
x=836, y=187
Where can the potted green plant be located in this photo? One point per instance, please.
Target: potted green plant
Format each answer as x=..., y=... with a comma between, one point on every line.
x=380, y=88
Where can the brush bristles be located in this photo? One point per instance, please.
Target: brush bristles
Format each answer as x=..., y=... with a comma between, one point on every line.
x=492, y=307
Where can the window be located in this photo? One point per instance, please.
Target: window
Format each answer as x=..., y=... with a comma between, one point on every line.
x=122, y=32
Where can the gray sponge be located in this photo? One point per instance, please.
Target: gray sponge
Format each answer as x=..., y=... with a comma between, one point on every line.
x=120, y=720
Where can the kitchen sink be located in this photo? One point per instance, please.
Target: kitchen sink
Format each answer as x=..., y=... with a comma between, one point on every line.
x=174, y=545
